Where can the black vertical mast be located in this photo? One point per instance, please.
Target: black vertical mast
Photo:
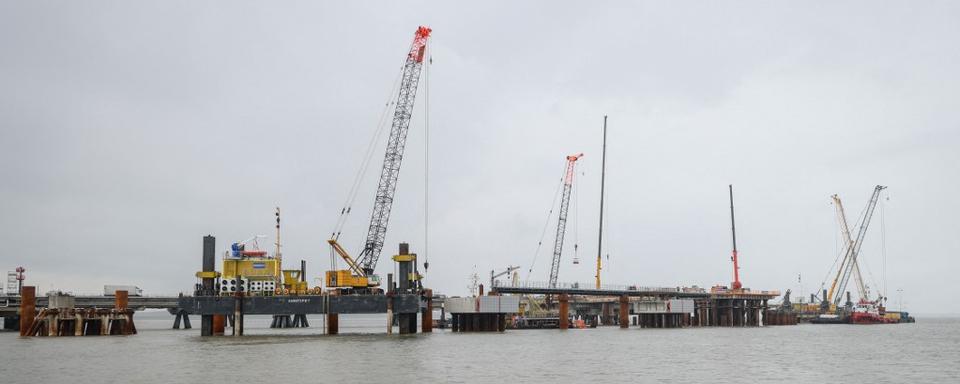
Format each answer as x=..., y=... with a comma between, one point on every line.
x=603, y=175
x=733, y=230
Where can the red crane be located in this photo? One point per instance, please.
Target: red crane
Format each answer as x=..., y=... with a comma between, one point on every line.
x=362, y=268
x=562, y=222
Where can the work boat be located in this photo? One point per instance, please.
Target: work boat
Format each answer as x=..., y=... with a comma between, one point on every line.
x=869, y=313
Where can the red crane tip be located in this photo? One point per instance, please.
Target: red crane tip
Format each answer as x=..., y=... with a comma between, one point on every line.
x=424, y=31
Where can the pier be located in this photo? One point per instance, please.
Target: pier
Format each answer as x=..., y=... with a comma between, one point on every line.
x=653, y=307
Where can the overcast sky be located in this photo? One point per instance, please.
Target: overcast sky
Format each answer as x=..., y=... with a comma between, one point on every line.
x=132, y=129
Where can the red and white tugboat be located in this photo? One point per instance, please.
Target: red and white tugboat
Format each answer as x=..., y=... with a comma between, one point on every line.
x=867, y=312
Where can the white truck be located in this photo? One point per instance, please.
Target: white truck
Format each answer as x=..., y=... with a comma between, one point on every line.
x=132, y=290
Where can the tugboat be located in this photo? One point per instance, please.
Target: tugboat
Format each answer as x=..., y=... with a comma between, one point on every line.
x=869, y=313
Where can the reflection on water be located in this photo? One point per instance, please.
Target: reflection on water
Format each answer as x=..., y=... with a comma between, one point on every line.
x=927, y=351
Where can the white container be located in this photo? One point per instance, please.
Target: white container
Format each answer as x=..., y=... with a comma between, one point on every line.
x=132, y=290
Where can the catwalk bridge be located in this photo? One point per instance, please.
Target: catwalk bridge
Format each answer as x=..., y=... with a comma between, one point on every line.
x=10, y=304
x=544, y=288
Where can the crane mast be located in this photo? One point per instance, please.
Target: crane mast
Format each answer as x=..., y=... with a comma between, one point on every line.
x=562, y=221
x=386, y=189
x=854, y=249
x=734, y=257
x=603, y=178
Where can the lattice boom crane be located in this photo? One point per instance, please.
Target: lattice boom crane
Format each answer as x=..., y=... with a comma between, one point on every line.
x=386, y=189
x=853, y=250
x=383, y=202
x=562, y=221
x=849, y=242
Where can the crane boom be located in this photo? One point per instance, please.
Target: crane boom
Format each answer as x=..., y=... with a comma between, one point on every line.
x=603, y=178
x=383, y=202
x=854, y=250
x=848, y=240
x=734, y=256
x=354, y=267
x=494, y=275
x=562, y=221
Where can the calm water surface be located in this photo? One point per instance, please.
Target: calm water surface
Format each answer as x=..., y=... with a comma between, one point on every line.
x=927, y=351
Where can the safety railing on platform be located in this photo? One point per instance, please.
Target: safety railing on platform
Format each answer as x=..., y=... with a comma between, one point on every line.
x=592, y=287
x=100, y=293
x=745, y=291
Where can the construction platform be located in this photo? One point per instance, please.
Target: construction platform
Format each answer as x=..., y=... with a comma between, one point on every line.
x=653, y=307
x=574, y=289
x=292, y=305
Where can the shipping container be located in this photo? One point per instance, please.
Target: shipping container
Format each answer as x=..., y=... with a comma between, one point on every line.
x=132, y=290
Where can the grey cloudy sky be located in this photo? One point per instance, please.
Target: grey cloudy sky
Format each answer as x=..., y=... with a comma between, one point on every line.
x=131, y=129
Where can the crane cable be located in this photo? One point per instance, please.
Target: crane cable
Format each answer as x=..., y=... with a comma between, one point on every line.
x=426, y=157
x=546, y=225
x=576, y=219
x=883, y=243
x=837, y=249
x=365, y=163
x=883, y=254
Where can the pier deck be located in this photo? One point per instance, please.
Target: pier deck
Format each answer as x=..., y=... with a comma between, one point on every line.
x=535, y=288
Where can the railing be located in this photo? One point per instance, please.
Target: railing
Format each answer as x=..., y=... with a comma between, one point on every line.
x=99, y=293
x=745, y=291
x=592, y=287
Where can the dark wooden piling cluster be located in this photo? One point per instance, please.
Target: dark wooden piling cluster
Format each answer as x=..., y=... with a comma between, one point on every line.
x=774, y=317
x=663, y=320
x=479, y=322
x=290, y=321
x=482, y=313
x=731, y=310
x=75, y=321
x=181, y=315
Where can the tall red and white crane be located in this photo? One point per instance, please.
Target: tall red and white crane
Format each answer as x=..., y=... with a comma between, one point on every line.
x=362, y=269
x=562, y=221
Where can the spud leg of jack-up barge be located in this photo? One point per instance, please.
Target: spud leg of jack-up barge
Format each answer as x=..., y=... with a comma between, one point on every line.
x=624, y=312
x=28, y=308
x=564, y=311
x=426, y=319
x=333, y=320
